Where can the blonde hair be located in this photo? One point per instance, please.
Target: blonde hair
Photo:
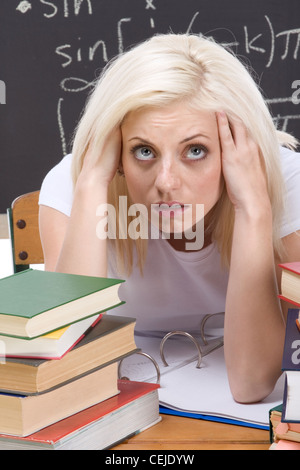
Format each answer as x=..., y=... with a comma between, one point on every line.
x=158, y=72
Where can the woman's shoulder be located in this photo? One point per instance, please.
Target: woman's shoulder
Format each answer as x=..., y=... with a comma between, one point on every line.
x=57, y=187
x=63, y=167
x=290, y=161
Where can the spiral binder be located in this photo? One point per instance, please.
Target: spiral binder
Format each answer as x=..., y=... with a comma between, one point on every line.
x=200, y=350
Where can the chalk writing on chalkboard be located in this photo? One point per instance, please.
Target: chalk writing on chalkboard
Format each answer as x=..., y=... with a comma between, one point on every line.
x=268, y=43
x=52, y=9
x=24, y=6
x=285, y=44
x=51, y=52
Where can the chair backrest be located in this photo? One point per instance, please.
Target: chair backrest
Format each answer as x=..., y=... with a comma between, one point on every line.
x=23, y=218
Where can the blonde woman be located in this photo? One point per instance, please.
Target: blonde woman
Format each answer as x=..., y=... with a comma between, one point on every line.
x=175, y=125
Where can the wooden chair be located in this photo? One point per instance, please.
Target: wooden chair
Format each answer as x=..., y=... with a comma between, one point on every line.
x=23, y=218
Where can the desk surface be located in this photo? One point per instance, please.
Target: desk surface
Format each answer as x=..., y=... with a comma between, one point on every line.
x=178, y=433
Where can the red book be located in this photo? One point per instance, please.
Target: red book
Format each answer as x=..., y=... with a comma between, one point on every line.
x=290, y=283
x=293, y=266
x=101, y=426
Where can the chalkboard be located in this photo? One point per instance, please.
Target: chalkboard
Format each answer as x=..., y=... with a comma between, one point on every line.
x=51, y=51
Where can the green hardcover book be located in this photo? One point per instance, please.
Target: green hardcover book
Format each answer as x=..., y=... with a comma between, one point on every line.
x=34, y=302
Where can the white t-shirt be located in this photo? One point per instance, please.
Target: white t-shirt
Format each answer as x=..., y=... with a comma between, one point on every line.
x=177, y=288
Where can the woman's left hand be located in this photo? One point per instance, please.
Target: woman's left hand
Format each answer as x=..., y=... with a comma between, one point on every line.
x=242, y=167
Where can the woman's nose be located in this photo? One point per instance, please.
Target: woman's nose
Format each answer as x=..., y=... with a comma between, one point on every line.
x=168, y=177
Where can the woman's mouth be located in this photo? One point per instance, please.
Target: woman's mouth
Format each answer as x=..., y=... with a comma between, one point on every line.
x=169, y=208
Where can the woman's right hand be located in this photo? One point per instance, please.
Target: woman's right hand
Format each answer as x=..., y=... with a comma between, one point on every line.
x=64, y=236
x=100, y=169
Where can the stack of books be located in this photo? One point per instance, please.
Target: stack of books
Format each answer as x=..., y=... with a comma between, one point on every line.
x=285, y=419
x=283, y=435
x=59, y=356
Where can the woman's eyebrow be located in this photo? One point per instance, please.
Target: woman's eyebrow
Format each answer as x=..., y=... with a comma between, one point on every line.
x=194, y=137
x=141, y=139
x=182, y=142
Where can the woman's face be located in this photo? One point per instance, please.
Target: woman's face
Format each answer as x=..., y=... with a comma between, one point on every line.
x=171, y=160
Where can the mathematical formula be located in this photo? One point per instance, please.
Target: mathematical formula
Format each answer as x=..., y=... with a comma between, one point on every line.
x=269, y=44
x=66, y=8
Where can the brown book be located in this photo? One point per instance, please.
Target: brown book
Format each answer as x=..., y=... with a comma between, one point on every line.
x=23, y=415
x=108, y=341
x=134, y=409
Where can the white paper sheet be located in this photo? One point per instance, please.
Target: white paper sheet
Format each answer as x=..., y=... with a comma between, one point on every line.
x=189, y=389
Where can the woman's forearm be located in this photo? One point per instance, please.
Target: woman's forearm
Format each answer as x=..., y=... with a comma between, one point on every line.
x=254, y=326
x=83, y=252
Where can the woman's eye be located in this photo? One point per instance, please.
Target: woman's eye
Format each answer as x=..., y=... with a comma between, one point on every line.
x=195, y=152
x=143, y=153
